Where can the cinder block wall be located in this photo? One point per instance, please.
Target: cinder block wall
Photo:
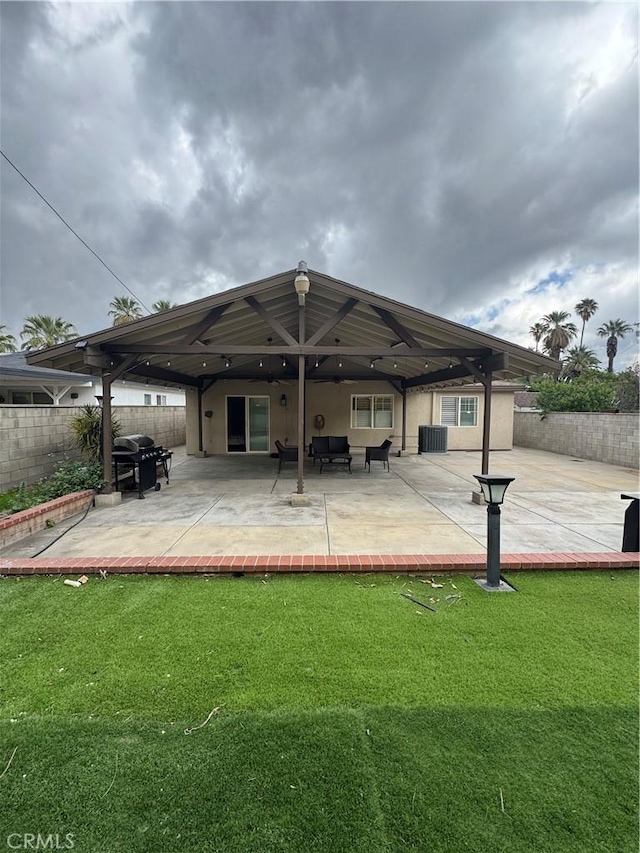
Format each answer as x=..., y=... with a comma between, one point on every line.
x=610, y=438
x=34, y=438
x=165, y=424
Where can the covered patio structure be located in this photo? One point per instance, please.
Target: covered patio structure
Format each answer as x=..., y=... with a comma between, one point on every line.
x=303, y=330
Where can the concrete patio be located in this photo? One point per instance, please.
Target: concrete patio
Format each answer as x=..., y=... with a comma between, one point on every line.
x=232, y=505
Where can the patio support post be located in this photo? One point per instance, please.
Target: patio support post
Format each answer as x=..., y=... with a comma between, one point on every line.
x=107, y=440
x=301, y=389
x=493, y=546
x=486, y=424
x=404, y=419
x=200, y=448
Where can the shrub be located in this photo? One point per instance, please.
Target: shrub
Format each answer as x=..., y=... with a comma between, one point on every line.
x=85, y=427
x=68, y=478
x=583, y=394
x=627, y=389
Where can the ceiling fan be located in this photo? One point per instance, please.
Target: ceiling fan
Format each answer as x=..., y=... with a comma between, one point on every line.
x=337, y=380
x=270, y=380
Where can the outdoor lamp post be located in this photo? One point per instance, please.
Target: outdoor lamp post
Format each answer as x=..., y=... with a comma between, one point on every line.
x=493, y=488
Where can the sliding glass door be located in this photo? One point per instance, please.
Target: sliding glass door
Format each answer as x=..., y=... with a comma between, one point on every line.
x=247, y=424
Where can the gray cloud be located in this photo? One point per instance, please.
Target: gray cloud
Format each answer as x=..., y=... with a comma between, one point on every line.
x=434, y=152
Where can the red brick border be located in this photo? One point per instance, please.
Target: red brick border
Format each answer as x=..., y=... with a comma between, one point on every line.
x=404, y=563
x=29, y=521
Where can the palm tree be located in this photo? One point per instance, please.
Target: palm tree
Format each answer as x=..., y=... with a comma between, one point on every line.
x=578, y=360
x=163, y=305
x=558, y=332
x=613, y=330
x=42, y=330
x=585, y=310
x=7, y=341
x=124, y=309
x=537, y=332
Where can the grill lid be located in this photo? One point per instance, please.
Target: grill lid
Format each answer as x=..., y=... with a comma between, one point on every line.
x=133, y=443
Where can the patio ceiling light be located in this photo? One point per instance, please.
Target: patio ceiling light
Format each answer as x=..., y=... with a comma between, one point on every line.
x=301, y=282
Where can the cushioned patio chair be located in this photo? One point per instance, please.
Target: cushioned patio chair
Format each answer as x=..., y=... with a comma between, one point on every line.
x=285, y=454
x=378, y=454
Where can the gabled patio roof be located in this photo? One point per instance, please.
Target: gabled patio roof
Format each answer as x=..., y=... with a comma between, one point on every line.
x=261, y=330
x=227, y=335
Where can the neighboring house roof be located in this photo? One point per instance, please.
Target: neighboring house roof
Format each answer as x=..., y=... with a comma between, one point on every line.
x=350, y=333
x=14, y=367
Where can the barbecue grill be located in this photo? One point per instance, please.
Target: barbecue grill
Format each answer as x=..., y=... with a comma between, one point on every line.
x=139, y=456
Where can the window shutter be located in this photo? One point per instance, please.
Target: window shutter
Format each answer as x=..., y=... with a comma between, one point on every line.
x=449, y=411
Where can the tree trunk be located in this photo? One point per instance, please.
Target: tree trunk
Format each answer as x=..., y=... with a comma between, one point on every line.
x=612, y=349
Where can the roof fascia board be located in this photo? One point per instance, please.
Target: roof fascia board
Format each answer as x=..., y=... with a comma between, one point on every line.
x=420, y=316
x=166, y=317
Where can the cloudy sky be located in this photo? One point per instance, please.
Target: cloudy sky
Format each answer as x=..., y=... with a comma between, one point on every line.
x=477, y=160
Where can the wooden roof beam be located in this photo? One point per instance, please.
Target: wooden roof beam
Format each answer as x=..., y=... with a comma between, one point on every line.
x=333, y=321
x=150, y=371
x=496, y=362
x=396, y=327
x=277, y=327
x=294, y=349
x=194, y=332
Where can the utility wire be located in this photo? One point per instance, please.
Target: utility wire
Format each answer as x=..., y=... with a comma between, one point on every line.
x=75, y=233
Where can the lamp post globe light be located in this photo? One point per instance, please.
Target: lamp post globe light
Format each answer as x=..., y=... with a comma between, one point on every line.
x=301, y=282
x=493, y=488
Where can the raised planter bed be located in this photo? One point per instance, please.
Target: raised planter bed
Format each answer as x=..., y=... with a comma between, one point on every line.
x=21, y=524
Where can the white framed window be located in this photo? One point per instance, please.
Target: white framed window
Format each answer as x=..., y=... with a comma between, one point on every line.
x=147, y=399
x=459, y=411
x=371, y=411
x=161, y=399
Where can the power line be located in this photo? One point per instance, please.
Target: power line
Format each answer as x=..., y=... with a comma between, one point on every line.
x=75, y=233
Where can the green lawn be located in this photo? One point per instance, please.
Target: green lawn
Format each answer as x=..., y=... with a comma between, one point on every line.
x=350, y=719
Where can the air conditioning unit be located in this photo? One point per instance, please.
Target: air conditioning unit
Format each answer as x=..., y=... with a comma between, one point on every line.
x=432, y=439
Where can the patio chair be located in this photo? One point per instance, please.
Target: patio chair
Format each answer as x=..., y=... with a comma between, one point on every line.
x=285, y=454
x=379, y=454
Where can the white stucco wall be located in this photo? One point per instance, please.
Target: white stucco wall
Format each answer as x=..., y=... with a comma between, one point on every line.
x=124, y=394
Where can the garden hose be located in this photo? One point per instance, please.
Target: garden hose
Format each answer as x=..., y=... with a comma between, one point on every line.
x=75, y=524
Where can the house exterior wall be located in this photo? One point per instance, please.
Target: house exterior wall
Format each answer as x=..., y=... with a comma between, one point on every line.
x=333, y=402
x=34, y=438
x=610, y=438
x=124, y=394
